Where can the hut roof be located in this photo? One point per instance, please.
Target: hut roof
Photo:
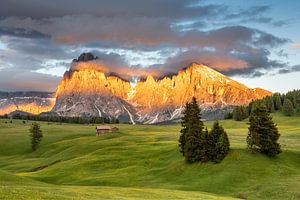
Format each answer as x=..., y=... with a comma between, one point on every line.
x=103, y=127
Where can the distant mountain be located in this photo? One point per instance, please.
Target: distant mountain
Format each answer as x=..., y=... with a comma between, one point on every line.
x=89, y=92
x=29, y=102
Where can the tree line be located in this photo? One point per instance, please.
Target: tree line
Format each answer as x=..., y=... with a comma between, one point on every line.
x=197, y=144
x=288, y=103
x=62, y=119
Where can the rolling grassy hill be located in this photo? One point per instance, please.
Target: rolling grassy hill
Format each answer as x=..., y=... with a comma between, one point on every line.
x=142, y=162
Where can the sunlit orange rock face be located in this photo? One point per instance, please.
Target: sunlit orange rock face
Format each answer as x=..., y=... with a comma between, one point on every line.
x=29, y=105
x=91, y=81
x=149, y=99
x=206, y=84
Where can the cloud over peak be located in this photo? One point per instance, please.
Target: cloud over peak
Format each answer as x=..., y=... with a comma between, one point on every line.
x=141, y=36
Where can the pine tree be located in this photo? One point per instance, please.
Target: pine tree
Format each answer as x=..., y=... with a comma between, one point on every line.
x=193, y=141
x=236, y=114
x=277, y=102
x=269, y=103
x=240, y=113
x=36, y=135
x=219, y=143
x=287, y=107
x=185, y=126
x=263, y=133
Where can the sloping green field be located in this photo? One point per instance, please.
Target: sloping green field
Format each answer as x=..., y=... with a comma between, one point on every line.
x=141, y=162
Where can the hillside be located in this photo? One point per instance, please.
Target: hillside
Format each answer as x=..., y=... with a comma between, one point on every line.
x=142, y=162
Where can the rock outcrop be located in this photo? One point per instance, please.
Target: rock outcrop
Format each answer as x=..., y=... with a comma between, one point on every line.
x=30, y=102
x=87, y=91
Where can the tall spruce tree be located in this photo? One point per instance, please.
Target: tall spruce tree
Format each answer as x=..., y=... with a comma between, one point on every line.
x=239, y=113
x=269, y=103
x=263, y=133
x=36, y=135
x=185, y=127
x=193, y=141
x=277, y=101
x=287, y=107
x=219, y=143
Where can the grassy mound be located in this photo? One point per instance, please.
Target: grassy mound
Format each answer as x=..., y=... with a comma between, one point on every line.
x=142, y=162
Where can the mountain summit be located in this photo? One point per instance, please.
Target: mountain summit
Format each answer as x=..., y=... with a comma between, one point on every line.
x=90, y=92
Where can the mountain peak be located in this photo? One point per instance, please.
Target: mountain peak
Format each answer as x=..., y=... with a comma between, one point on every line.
x=84, y=57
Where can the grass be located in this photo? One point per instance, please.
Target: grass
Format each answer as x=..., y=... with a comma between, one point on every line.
x=142, y=162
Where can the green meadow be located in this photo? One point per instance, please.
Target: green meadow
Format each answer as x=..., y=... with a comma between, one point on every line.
x=142, y=162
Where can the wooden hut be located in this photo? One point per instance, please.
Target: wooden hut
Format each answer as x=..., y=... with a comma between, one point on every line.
x=102, y=129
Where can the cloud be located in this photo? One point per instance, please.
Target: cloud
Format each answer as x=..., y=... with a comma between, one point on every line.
x=135, y=32
x=175, y=9
x=295, y=46
x=21, y=32
x=18, y=80
x=254, y=14
x=295, y=68
x=128, y=36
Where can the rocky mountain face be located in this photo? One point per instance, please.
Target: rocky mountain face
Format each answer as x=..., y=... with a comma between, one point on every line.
x=30, y=102
x=87, y=91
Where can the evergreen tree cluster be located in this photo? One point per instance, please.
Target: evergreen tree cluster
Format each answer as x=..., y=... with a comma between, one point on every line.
x=196, y=143
x=288, y=103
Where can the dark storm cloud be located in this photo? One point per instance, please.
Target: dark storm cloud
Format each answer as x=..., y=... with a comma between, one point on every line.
x=103, y=8
x=37, y=33
x=139, y=32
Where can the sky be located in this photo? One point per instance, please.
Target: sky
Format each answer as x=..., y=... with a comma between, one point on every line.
x=255, y=42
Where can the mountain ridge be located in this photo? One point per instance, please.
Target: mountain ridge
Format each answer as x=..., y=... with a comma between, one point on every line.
x=150, y=100
x=88, y=89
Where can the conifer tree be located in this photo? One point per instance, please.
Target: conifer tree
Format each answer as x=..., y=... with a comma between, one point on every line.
x=277, y=102
x=185, y=126
x=263, y=133
x=193, y=141
x=240, y=113
x=269, y=103
x=36, y=135
x=287, y=107
x=219, y=143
